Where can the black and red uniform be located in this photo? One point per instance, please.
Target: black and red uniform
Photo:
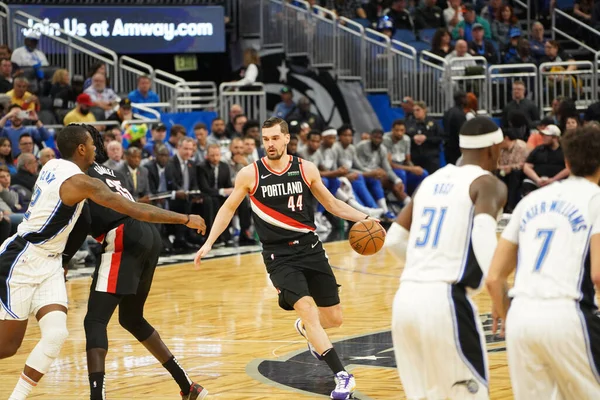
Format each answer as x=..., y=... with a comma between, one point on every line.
x=283, y=211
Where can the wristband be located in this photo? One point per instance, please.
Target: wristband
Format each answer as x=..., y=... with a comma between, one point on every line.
x=188, y=220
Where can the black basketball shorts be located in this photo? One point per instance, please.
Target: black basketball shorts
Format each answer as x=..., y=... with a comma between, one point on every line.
x=301, y=269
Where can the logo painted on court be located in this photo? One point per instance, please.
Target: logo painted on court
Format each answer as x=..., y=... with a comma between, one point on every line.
x=300, y=372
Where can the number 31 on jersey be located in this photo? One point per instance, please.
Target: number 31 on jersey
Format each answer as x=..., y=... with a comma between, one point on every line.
x=294, y=204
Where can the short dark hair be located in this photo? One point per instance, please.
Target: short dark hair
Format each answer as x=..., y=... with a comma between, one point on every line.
x=398, y=122
x=70, y=138
x=271, y=122
x=377, y=131
x=294, y=137
x=4, y=168
x=177, y=129
x=200, y=125
x=344, y=128
x=478, y=126
x=313, y=132
x=144, y=77
x=109, y=135
x=238, y=117
x=581, y=148
x=251, y=123
x=24, y=135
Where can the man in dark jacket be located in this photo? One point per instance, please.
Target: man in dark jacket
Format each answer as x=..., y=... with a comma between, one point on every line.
x=520, y=103
x=303, y=114
x=426, y=139
x=454, y=118
x=429, y=16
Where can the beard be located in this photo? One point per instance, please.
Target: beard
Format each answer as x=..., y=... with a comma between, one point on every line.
x=276, y=156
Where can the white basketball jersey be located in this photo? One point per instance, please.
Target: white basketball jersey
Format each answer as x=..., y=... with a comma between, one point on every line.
x=552, y=227
x=48, y=222
x=439, y=245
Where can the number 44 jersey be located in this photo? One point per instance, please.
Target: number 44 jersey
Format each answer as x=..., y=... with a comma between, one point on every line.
x=439, y=245
x=106, y=219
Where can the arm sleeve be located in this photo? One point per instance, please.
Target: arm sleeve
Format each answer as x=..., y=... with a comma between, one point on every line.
x=250, y=76
x=484, y=240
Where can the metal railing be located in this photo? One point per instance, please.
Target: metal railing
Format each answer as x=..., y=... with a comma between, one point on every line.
x=378, y=71
x=250, y=12
x=130, y=70
x=298, y=29
x=434, y=89
x=556, y=80
x=469, y=75
x=324, y=40
x=4, y=24
x=351, y=50
x=405, y=74
x=271, y=24
x=72, y=52
x=594, y=33
x=195, y=96
x=254, y=103
x=166, y=85
x=500, y=81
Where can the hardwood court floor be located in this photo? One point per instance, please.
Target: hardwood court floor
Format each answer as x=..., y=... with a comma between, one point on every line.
x=223, y=320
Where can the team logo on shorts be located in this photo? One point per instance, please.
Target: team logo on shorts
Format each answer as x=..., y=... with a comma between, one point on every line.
x=374, y=350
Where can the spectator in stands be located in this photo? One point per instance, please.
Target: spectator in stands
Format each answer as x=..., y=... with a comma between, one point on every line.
x=572, y=122
x=372, y=161
x=16, y=116
x=480, y=46
x=29, y=55
x=6, y=158
x=292, y=146
x=143, y=94
x=136, y=178
x=303, y=114
x=441, y=43
x=376, y=9
x=453, y=14
x=502, y=25
x=583, y=10
x=286, y=105
x=250, y=151
x=251, y=130
x=346, y=8
x=251, y=71
x=491, y=11
x=546, y=163
x=117, y=134
x=62, y=93
x=114, y=150
x=238, y=125
x=426, y=139
x=202, y=142
x=27, y=170
x=537, y=41
x=159, y=134
x=20, y=96
x=219, y=135
x=81, y=113
x=6, y=52
x=454, y=119
x=555, y=54
x=398, y=145
x=408, y=105
x=181, y=178
x=7, y=194
x=536, y=138
x=464, y=59
x=463, y=30
x=6, y=79
x=234, y=111
x=523, y=55
x=386, y=27
x=520, y=103
x=235, y=157
x=429, y=16
x=157, y=183
x=400, y=15
x=46, y=154
x=25, y=145
x=592, y=113
x=96, y=68
x=509, y=51
x=101, y=95
x=472, y=106
x=176, y=133
x=513, y=154
x=124, y=113
x=554, y=112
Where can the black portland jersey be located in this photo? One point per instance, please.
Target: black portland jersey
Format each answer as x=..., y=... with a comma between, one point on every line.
x=104, y=219
x=282, y=203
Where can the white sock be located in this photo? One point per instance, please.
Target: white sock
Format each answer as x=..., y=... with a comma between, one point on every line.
x=383, y=205
x=406, y=201
x=23, y=388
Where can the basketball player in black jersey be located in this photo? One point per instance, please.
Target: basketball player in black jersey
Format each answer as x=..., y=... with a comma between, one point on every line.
x=283, y=191
x=122, y=278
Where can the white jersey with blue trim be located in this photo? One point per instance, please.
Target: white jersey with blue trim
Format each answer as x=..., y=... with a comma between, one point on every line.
x=48, y=222
x=552, y=227
x=439, y=245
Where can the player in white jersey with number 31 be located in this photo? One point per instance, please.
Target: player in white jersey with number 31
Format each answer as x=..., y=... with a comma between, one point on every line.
x=438, y=337
x=553, y=241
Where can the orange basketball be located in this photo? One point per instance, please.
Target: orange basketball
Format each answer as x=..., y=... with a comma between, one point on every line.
x=366, y=237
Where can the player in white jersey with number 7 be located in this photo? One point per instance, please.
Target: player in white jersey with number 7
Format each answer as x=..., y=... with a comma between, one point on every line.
x=438, y=337
x=553, y=241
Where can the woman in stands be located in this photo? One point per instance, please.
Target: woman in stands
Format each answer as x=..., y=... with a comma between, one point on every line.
x=572, y=122
x=251, y=71
x=472, y=106
x=440, y=44
x=501, y=27
x=6, y=158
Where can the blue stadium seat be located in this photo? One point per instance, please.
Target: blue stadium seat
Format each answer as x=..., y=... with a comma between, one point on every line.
x=363, y=21
x=565, y=4
x=419, y=45
x=405, y=36
x=426, y=35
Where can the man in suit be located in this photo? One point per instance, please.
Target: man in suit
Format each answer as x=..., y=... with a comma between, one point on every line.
x=180, y=174
x=136, y=178
x=214, y=178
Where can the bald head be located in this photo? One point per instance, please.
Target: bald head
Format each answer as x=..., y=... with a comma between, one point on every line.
x=46, y=154
x=27, y=162
x=461, y=48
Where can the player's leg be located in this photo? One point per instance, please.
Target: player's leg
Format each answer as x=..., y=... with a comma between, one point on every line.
x=376, y=189
x=131, y=317
x=12, y=333
x=413, y=181
x=362, y=192
x=49, y=305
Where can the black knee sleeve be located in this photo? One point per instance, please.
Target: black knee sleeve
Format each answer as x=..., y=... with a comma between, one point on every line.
x=137, y=326
x=95, y=334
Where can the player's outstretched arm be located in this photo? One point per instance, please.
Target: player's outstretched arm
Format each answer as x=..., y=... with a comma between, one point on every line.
x=81, y=187
x=244, y=181
x=503, y=263
x=331, y=204
x=396, y=240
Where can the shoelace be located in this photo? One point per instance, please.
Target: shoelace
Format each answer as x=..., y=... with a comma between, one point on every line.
x=343, y=380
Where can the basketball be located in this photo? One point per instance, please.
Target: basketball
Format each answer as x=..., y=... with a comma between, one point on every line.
x=366, y=237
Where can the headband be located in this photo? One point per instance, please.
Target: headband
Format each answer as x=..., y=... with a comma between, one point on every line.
x=481, y=141
x=329, y=132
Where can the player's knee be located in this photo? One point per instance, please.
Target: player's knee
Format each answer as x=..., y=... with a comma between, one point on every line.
x=307, y=310
x=336, y=320
x=138, y=327
x=54, y=339
x=95, y=334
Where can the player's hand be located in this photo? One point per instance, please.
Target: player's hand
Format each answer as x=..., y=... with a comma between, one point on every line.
x=197, y=222
x=201, y=253
x=497, y=321
x=418, y=171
